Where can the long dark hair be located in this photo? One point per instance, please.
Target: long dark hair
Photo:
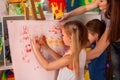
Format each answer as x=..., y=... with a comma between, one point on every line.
x=113, y=12
x=108, y=9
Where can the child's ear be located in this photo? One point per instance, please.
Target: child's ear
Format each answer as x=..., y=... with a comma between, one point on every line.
x=70, y=39
x=96, y=36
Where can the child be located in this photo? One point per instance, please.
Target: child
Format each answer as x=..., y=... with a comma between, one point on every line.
x=72, y=64
x=97, y=67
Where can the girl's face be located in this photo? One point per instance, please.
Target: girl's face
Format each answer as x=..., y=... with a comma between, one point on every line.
x=102, y=4
x=66, y=38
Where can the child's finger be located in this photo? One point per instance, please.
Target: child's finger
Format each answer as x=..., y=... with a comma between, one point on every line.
x=42, y=39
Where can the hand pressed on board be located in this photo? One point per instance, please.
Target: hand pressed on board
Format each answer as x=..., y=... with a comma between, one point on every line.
x=43, y=42
x=36, y=44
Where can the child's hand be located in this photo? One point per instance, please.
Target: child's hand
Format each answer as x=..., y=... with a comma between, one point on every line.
x=36, y=44
x=43, y=42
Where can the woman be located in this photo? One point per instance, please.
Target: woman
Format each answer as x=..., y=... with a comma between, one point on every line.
x=111, y=34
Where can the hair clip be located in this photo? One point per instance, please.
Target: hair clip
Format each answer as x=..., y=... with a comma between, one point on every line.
x=75, y=27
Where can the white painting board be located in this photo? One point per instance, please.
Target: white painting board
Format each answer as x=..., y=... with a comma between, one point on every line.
x=25, y=64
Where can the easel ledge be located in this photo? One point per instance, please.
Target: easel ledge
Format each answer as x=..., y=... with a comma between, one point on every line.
x=34, y=15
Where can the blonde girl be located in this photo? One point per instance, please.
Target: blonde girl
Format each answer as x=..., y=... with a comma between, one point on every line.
x=71, y=64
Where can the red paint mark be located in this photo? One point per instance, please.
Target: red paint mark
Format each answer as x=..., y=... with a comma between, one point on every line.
x=43, y=38
x=36, y=67
x=25, y=40
x=55, y=33
x=56, y=11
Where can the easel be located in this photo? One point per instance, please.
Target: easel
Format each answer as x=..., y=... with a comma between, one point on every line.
x=34, y=15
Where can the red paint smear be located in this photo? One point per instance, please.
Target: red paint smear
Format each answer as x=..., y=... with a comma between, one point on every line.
x=28, y=48
x=56, y=11
x=25, y=30
x=55, y=32
x=26, y=38
x=43, y=38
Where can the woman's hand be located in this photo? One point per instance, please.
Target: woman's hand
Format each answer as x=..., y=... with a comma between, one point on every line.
x=64, y=17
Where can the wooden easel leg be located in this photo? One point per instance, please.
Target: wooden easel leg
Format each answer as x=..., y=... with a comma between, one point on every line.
x=34, y=12
x=33, y=9
x=26, y=13
x=41, y=13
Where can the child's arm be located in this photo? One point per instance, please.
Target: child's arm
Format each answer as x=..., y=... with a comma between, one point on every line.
x=62, y=62
x=51, y=51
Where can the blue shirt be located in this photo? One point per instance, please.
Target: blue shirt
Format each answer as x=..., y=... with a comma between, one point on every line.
x=97, y=67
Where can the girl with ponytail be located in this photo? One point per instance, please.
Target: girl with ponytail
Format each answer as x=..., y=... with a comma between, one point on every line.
x=72, y=63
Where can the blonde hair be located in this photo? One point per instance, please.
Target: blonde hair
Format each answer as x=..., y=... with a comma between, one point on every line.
x=79, y=38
